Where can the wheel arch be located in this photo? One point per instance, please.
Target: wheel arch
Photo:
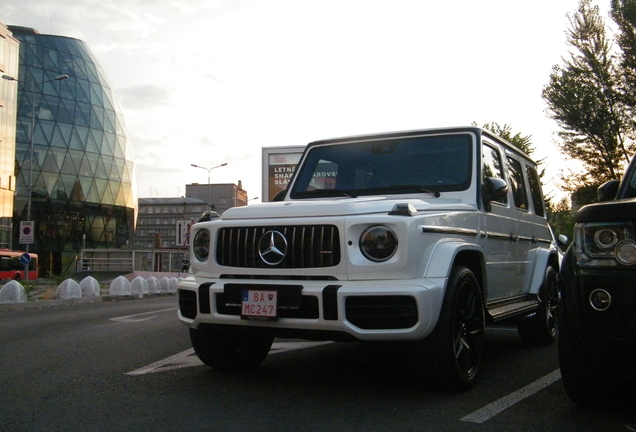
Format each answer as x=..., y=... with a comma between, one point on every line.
x=543, y=258
x=447, y=254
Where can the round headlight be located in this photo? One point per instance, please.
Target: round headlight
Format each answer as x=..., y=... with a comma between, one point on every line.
x=201, y=245
x=626, y=252
x=378, y=243
x=605, y=238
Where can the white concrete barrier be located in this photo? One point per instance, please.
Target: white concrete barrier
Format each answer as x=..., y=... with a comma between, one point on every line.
x=138, y=286
x=68, y=289
x=173, y=285
x=120, y=286
x=164, y=285
x=153, y=285
x=13, y=292
x=90, y=287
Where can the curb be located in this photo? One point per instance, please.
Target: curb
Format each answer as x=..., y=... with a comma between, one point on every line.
x=48, y=303
x=74, y=301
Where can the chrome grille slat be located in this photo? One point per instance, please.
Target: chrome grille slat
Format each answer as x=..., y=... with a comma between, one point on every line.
x=307, y=246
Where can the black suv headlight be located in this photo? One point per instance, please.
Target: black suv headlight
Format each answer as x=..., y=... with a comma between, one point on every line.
x=378, y=243
x=604, y=244
x=201, y=245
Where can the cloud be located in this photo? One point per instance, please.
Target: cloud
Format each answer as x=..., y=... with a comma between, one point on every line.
x=145, y=96
x=214, y=81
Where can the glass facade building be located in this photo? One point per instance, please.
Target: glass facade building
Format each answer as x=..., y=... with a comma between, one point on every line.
x=72, y=147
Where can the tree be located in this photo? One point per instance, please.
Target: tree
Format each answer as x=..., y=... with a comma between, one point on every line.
x=584, y=96
x=523, y=143
x=561, y=218
x=624, y=15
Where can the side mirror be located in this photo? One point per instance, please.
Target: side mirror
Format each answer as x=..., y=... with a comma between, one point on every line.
x=562, y=240
x=607, y=191
x=208, y=216
x=493, y=188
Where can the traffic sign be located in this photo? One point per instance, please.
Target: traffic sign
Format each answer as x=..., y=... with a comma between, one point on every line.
x=25, y=258
x=27, y=230
x=183, y=232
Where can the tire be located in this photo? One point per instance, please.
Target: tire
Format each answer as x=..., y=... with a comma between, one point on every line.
x=540, y=328
x=584, y=383
x=450, y=357
x=230, y=349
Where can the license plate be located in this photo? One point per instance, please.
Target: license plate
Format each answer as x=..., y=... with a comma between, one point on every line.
x=259, y=304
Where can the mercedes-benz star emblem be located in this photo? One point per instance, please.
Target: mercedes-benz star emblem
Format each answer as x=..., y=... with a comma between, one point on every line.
x=272, y=247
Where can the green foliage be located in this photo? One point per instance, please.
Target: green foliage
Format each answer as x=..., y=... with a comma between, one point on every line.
x=524, y=143
x=624, y=15
x=586, y=96
x=561, y=218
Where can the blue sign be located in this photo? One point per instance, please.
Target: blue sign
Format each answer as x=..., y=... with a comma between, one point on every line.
x=25, y=258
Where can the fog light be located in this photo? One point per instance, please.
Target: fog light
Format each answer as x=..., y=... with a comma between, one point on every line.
x=600, y=299
x=626, y=252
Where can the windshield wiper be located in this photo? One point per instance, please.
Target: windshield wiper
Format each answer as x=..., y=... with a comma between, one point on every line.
x=412, y=187
x=324, y=193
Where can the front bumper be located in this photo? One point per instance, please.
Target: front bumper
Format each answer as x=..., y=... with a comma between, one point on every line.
x=609, y=336
x=388, y=310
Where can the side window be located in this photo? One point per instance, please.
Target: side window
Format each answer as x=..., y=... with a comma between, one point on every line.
x=516, y=184
x=535, y=191
x=491, y=166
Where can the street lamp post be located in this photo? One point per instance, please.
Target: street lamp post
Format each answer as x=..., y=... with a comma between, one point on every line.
x=34, y=86
x=208, y=170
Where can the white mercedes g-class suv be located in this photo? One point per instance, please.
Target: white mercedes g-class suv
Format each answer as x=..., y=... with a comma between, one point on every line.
x=420, y=237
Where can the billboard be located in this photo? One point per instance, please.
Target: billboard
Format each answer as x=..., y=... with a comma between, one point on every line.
x=279, y=164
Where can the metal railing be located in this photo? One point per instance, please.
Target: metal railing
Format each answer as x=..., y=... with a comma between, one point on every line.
x=127, y=260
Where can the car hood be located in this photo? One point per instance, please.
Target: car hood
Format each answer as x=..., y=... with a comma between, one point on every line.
x=608, y=211
x=342, y=207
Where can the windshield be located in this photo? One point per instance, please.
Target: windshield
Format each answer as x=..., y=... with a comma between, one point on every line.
x=420, y=164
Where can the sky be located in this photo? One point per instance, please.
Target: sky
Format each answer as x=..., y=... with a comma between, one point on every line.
x=208, y=82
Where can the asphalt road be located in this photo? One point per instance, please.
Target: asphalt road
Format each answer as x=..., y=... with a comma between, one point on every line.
x=129, y=366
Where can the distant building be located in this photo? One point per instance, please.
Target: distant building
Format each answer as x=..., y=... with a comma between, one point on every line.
x=220, y=196
x=84, y=191
x=161, y=241
x=9, y=49
x=164, y=222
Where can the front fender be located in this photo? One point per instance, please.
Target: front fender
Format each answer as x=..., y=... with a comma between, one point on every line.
x=444, y=255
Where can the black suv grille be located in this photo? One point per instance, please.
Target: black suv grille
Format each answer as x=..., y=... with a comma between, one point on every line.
x=306, y=246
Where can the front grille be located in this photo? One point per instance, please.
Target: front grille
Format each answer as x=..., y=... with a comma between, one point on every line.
x=307, y=246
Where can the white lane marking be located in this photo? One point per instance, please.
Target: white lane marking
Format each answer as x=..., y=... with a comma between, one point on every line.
x=186, y=359
x=280, y=347
x=176, y=361
x=507, y=401
x=134, y=318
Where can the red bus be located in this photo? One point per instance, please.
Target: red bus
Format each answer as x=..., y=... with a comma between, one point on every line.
x=12, y=268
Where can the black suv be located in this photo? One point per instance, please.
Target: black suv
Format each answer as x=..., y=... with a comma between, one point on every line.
x=597, y=334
